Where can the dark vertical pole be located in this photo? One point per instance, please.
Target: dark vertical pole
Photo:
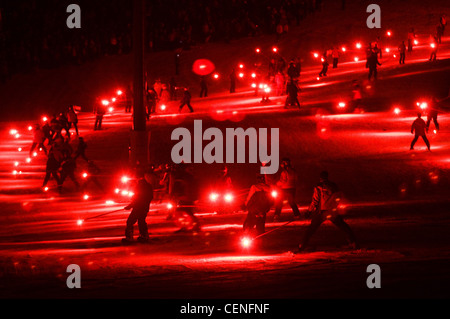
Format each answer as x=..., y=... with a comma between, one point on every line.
x=139, y=146
x=139, y=119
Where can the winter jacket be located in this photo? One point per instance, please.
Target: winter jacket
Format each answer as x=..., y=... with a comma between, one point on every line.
x=288, y=179
x=326, y=197
x=418, y=126
x=143, y=195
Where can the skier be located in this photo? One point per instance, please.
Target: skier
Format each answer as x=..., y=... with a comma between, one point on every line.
x=38, y=139
x=203, y=87
x=433, y=114
x=140, y=205
x=418, y=128
x=51, y=169
x=372, y=64
x=258, y=204
x=100, y=111
x=183, y=189
x=402, y=52
x=335, y=56
x=287, y=184
x=324, y=206
x=434, y=49
x=292, y=91
x=186, y=101
x=72, y=118
x=68, y=167
x=92, y=172
x=152, y=100
x=325, y=64
x=81, y=149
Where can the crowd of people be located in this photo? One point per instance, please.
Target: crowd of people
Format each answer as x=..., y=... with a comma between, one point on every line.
x=54, y=139
x=44, y=41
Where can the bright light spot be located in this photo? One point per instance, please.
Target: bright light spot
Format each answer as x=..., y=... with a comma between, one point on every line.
x=356, y=59
x=254, y=85
x=30, y=128
x=16, y=164
x=44, y=119
x=358, y=45
x=389, y=33
x=228, y=198
x=86, y=197
x=117, y=191
x=316, y=55
x=85, y=175
x=202, y=66
x=125, y=179
x=169, y=206
x=246, y=242
x=14, y=172
x=213, y=197
x=253, y=75
x=163, y=107
x=416, y=42
x=130, y=194
x=241, y=66
x=19, y=149
x=45, y=189
x=111, y=109
x=322, y=59
x=434, y=131
x=395, y=56
x=342, y=104
x=124, y=193
x=423, y=106
x=397, y=110
x=343, y=49
x=28, y=160
x=13, y=132
x=113, y=99
x=216, y=76
x=109, y=202
x=267, y=89
x=274, y=194
x=241, y=75
x=119, y=92
x=433, y=45
x=387, y=50
x=35, y=154
x=261, y=86
x=79, y=222
x=105, y=102
x=17, y=135
x=258, y=50
x=275, y=49
x=318, y=78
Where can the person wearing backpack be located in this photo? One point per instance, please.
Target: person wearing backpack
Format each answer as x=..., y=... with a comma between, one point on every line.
x=258, y=204
x=324, y=206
